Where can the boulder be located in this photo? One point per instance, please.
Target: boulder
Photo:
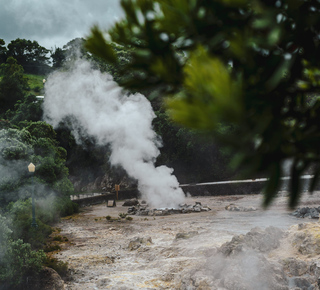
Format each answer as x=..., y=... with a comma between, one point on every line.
x=47, y=279
x=186, y=235
x=138, y=242
x=257, y=239
x=131, y=202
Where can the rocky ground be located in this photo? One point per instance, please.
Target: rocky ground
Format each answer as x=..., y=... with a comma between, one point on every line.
x=235, y=245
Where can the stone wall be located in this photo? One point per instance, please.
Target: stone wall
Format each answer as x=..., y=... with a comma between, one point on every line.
x=122, y=194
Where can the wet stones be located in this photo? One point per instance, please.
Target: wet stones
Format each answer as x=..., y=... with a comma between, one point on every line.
x=306, y=212
x=233, y=207
x=131, y=202
x=143, y=210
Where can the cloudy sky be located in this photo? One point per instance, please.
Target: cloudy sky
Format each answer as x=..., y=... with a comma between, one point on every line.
x=54, y=23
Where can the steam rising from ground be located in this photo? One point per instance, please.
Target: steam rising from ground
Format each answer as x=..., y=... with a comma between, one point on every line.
x=97, y=108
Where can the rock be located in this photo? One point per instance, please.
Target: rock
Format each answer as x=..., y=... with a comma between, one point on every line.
x=242, y=271
x=315, y=269
x=314, y=214
x=103, y=282
x=306, y=240
x=233, y=207
x=183, y=208
x=131, y=202
x=48, y=279
x=137, y=242
x=295, y=267
x=257, y=239
x=306, y=212
x=132, y=210
x=186, y=235
x=197, y=209
x=300, y=283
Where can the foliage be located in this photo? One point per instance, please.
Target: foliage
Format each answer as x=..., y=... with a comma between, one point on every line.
x=12, y=84
x=20, y=214
x=29, y=54
x=3, y=51
x=27, y=109
x=194, y=156
x=35, y=83
x=59, y=266
x=252, y=65
x=18, y=260
x=58, y=57
x=86, y=161
x=34, y=143
x=122, y=215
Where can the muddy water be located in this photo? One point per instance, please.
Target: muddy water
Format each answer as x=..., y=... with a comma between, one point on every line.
x=100, y=255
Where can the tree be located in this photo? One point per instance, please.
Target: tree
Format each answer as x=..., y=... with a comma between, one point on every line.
x=27, y=109
x=32, y=56
x=194, y=157
x=3, y=51
x=250, y=65
x=58, y=57
x=34, y=142
x=12, y=84
x=75, y=49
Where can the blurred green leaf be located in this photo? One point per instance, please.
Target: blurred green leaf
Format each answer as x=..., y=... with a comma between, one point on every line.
x=97, y=45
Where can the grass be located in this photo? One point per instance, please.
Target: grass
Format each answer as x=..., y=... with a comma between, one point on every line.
x=35, y=83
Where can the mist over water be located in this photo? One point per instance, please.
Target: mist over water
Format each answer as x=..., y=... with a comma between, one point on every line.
x=95, y=106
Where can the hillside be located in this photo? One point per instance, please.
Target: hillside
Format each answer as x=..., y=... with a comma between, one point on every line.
x=35, y=83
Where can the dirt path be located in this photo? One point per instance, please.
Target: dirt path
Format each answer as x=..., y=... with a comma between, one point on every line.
x=152, y=252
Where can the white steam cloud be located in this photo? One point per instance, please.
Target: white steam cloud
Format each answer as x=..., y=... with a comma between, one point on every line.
x=97, y=106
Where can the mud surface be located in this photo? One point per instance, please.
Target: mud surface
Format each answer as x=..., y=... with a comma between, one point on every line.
x=154, y=252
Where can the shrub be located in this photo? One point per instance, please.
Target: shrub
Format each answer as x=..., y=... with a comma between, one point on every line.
x=19, y=262
x=66, y=207
x=58, y=238
x=51, y=248
x=37, y=89
x=122, y=215
x=59, y=266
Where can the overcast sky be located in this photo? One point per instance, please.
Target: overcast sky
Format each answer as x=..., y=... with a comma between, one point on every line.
x=54, y=23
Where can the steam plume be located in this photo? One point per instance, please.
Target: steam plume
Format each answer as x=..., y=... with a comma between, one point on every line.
x=97, y=107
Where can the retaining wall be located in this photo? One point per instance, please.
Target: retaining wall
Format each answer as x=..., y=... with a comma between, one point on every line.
x=122, y=194
x=223, y=189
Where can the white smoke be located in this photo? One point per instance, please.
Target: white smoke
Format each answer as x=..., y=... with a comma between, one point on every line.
x=97, y=106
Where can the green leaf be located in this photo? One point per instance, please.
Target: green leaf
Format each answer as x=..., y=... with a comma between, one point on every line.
x=97, y=44
x=212, y=94
x=273, y=183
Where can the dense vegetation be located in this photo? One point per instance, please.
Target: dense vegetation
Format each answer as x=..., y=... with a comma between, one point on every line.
x=24, y=138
